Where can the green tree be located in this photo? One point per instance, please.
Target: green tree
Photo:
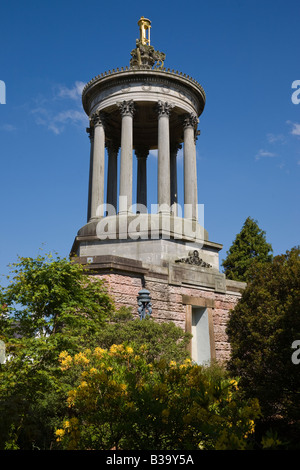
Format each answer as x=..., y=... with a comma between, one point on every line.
x=249, y=247
x=53, y=298
x=262, y=329
x=50, y=305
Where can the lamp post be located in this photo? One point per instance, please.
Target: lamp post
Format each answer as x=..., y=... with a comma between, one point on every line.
x=144, y=303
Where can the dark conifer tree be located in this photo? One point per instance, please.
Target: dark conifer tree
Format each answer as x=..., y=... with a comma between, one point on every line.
x=249, y=246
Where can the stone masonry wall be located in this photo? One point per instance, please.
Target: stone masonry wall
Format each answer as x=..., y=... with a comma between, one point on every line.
x=167, y=303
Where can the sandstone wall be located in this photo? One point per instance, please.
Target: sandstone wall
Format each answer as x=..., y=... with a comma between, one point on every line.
x=168, y=306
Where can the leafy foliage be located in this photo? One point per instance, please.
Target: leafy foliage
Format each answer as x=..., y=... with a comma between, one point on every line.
x=50, y=306
x=162, y=339
x=261, y=329
x=125, y=402
x=53, y=298
x=248, y=247
x=101, y=378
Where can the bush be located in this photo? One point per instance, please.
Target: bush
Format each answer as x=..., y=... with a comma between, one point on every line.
x=262, y=329
x=124, y=402
x=162, y=339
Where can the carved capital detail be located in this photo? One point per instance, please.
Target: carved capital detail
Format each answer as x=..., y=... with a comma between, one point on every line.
x=142, y=152
x=164, y=108
x=190, y=120
x=112, y=146
x=127, y=108
x=174, y=147
x=90, y=131
x=97, y=119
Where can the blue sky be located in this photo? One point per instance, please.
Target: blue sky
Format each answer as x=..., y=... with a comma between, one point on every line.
x=245, y=54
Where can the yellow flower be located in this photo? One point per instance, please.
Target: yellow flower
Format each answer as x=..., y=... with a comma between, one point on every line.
x=173, y=363
x=63, y=354
x=129, y=349
x=93, y=370
x=80, y=358
x=99, y=352
x=65, y=360
x=234, y=384
x=83, y=384
x=252, y=428
x=60, y=434
x=116, y=348
x=71, y=398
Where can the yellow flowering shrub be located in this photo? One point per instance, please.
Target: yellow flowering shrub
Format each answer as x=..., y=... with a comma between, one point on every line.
x=65, y=360
x=122, y=401
x=81, y=358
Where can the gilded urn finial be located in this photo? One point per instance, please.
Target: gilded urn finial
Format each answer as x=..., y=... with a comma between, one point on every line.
x=144, y=55
x=145, y=26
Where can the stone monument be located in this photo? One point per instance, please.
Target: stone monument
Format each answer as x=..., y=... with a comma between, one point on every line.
x=133, y=110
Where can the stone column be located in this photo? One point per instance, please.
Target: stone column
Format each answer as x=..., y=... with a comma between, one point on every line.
x=112, y=174
x=141, y=193
x=97, y=191
x=190, y=173
x=90, y=131
x=163, y=182
x=127, y=112
x=173, y=175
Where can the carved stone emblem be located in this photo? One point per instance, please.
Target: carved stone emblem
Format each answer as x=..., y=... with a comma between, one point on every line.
x=194, y=259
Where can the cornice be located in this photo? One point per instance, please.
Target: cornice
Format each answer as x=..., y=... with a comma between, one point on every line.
x=132, y=74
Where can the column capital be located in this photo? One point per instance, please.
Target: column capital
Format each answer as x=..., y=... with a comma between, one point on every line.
x=90, y=131
x=164, y=108
x=141, y=152
x=97, y=119
x=190, y=120
x=175, y=146
x=127, y=108
x=112, y=146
